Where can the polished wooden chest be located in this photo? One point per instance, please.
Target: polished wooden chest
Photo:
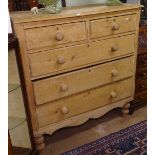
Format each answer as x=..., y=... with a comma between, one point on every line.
x=141, y=71
x=76, y=65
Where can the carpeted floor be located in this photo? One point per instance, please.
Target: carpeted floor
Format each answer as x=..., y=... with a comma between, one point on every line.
x=129, y=141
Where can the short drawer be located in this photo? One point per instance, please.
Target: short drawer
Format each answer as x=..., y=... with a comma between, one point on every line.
x=83, y=102
x=142, y=61
x=142, y=40
x=57, y=87
x=113, y=25
x=142, y=51
x=59, y=60
x=141, y=85
x=55, y=35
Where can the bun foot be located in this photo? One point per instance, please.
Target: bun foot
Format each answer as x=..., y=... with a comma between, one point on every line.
x=125, y=109
x=39, y=143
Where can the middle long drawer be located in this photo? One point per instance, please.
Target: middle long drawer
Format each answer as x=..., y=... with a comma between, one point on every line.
x=58, y=60
x=56, y=87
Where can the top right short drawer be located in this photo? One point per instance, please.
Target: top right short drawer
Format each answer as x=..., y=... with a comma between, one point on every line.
x=112, y=25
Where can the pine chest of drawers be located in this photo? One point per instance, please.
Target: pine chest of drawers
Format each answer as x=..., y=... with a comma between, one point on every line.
x=76, y=65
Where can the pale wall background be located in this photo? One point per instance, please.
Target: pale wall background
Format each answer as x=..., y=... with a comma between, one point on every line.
x=83, y=2
x=133, y=1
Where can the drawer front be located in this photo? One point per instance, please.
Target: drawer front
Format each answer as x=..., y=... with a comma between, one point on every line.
x=54, y=61
x=111, y=26
x=141, y=96
x=67, y=84
x=142, y=50
x=141, y=74
x=142, y=40
x=54, y=35
x=76, y=104
x=142, y=61
x=141, y=85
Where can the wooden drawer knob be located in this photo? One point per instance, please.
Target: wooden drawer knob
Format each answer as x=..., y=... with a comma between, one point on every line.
x=113, y=94
x=64, y=88
x=59, y=36
x=64, y=110
x=114, y=72
x=114, y=48
x=143, y=74
x=144, y=62
x=127, y=19
x=61, y=60
x=141, y=97
x=115, y=27
x=142, y=86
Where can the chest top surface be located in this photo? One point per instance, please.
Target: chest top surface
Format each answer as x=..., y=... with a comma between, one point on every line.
x=27, y=16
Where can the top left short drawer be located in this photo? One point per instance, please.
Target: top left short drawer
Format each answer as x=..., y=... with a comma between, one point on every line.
x=52, y=36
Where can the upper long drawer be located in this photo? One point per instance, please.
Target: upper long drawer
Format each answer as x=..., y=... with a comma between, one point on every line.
x=53, y=88
x=113, y=25
x=54, y=35
x=58, y=60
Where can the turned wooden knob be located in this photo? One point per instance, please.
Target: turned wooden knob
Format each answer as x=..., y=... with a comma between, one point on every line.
x=64, y=110
x=59, y=36
x=115, y=27
x=141, y=97
x=114, y=48
x=127, y=19
x=61, y=60
x=142, y=86
x=64, y=88
x=144, y=62
x=143, y=74
x=113, y=94
x=114, y=72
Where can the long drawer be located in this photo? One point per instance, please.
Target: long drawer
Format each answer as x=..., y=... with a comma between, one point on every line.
x=58, y=60
x=142, y=61
x=53, y=88
x=141, y=74
x=141, y=96
x=55, y=35
x=141, y=85
x=83, y=102
x=111, y=26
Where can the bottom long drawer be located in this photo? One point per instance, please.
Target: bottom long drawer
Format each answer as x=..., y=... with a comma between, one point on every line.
x=79, y=103
x=141, y=96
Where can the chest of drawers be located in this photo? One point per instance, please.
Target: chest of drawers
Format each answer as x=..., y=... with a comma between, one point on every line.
x=141, y=71
x=76, y=65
